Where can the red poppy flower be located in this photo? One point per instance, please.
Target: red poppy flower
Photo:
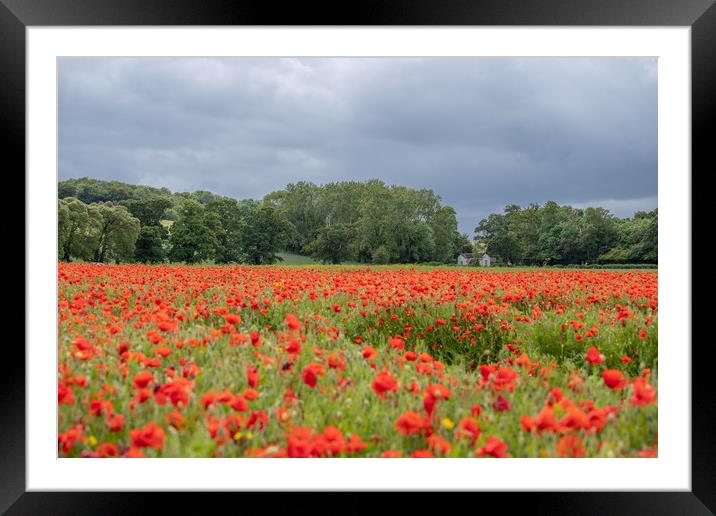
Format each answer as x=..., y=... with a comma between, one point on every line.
x=293, y=323
x=369, y=353
x=232, y=319
x=384, y=382
x=410, y=423
x=115, y=423
x=310, y=374
x=293, y=347
x=422, y=454
x=396, y=343
x=175, y=419
x=468, y=427
x=593, y=356
x=150, y=435
x=501, y=404
x=614, y=379
x=570, y=446
x=644, y=394
x=142, y=379
x=252, y=376
x=494, y=447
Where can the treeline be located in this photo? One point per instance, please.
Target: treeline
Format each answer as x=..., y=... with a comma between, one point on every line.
x=364, y=222
x=555, y=234
x=350, y=221
x=221, y=230
x=369, y=222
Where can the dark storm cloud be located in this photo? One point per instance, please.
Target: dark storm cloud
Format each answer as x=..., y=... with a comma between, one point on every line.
x=480, y=132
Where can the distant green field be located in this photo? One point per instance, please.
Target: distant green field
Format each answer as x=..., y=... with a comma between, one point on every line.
x=298, y=260
x=295, y=259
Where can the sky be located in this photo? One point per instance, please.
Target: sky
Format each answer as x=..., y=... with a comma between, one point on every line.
x=480, y=132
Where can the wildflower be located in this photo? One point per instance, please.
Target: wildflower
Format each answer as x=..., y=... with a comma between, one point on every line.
x=593, y=356
x=410, y=423
x=570, y=446
x=293, y=323
x=115, y=423
x=469, y=428
x=142, y=379
x=614, y=379
x=494, y=447
x=175, y=419
x=643, y=393
x=384, y=382
x=501, y=404
x=310, y=374
x=422, y=454
x=150, y=435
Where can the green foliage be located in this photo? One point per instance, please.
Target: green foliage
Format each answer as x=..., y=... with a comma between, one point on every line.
x=364, y=222
x=463, y=244
x=193, y=236
x=637, y=240
x=381, y=255
x=99, y=231
x=332, y=243
x=150, y=245
x=266, y=233
x=560, y=235
x=93, y=190
x=232, y=225
x=409, y=224
x=149, y=210
x=78, y=229
x=118, y=232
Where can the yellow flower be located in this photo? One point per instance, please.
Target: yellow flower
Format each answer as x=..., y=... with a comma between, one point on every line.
x=447, y=423
x=92, y=440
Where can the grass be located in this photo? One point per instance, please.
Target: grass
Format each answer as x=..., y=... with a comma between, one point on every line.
x=295, y=259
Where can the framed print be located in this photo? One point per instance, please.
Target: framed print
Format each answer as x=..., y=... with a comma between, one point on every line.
x=463, y=205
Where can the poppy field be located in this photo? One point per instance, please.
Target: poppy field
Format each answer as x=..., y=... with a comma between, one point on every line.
x=343, y=361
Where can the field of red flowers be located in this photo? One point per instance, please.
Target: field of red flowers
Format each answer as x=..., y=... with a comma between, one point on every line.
x=218, y=361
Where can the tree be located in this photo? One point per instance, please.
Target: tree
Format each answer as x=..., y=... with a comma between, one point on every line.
x=150, y=245
x=332, y=243
x=94, y=190
x=495, y=232
x=118, y=231
x=446, y=236
x=463, y=244
x=636, y=240
x=419, y=243
x=381, y=255
x=266, y=233
x=63, y=228
x=193, y=236
x=411, y=225
x=78, y=229
x=566, y=235
x=232, y=225
x=302, y=205
x=599, y=233
x=150, y=210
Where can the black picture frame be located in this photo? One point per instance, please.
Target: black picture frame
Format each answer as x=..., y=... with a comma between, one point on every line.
x=700, y=15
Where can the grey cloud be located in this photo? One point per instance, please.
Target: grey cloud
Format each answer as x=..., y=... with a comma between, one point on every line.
x=481, y=132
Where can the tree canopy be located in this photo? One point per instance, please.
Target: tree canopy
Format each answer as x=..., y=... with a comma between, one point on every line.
x=554, y=234
x=364, y=222
x=99, y=231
